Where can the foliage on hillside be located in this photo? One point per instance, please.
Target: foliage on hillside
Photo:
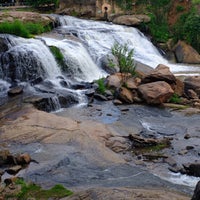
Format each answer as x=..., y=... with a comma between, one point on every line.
x=43, y=3
x=186, y=28
x=26, y=30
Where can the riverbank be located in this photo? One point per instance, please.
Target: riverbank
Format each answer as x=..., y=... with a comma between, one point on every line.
x=72, y=150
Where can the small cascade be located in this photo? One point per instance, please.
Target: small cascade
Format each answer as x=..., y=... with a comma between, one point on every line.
x=79, y=65
x=99, y=37
x=54, y=103
x=28, y=59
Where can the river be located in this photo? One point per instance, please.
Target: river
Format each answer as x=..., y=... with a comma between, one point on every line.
x=83, y=44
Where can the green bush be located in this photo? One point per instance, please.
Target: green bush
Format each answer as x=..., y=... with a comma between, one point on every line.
x=15, y=28
x=41, y=3
x=188, y=28
x=175, y=99
x=125, y=58
x=180, y=8
x=101, y=86
x=22, y=29
x=124, y=4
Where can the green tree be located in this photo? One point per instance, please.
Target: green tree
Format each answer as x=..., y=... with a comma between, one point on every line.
x=42, y=3
x=187, y=28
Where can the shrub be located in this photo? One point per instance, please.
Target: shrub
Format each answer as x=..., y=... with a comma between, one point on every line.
x=101, y=86
x=43, y=3
x=180, y=8
x=22, y=29
x=15, y=28
x=188, y=28
x=175, y=99
x=125, y=58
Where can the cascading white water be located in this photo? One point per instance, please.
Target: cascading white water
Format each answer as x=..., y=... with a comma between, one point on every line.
x=77, y=59
x=99, y=37
x=27, y=51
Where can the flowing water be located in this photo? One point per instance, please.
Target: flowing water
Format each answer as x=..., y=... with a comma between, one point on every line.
x=26, y=60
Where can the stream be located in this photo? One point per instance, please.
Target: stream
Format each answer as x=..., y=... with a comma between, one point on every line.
x=83, y=44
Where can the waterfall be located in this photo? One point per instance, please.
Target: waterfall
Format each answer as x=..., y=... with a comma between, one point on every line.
x=29, y=58
x=99, y=37
x=78, y=61
x=83, y=44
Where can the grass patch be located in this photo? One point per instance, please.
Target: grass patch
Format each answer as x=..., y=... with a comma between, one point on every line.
x=26, y=30
x=58, y=55
x=35, y=191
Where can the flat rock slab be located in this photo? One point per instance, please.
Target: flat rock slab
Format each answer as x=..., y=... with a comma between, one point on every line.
x=126, y=193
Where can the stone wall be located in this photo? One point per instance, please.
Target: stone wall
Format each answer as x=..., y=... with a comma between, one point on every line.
x=94, y=8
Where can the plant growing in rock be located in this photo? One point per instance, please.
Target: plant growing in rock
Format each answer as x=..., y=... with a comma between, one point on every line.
x=175, y=98
x=101, y=86
x=58, y=56
x=125, y=58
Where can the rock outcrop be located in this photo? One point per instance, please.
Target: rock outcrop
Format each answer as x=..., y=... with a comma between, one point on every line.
x=156, y=92
x=160, y=73
x=186, y=54
x=33, y=17
x=192, y=83
x=131, y=20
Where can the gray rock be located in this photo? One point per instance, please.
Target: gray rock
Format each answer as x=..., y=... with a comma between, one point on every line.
x=196, y=195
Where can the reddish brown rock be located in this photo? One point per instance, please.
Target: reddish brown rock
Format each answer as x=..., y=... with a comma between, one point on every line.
x=160, y=73
x=131, y=20
x=132, y=83
x=156, y=92
x=126, y=95
x=23, y=159
x=114, y=81
x=186, y=54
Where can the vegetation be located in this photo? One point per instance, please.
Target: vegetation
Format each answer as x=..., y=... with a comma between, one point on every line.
x=188, y=28
x=34, y=191
x=58, y=55
x=125, y=58
x=125, y=4
x=49, y=4
x=175, y=99
x=22, y=29
x=101, y=86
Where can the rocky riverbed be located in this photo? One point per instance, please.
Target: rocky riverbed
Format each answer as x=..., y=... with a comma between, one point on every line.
x=87, y=147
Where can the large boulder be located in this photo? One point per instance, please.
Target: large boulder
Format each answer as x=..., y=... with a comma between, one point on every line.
x=192, y=169
x=193, y=83
x=186, y=54
x=156, y=92
x=33, y=17
x=126, y=95
x=131, y=20
x=114, y=81
x=132, y=83
x=160, y=73
x=110, y=64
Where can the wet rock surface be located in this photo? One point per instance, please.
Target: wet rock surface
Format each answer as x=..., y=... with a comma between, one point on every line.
x=81, y=153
